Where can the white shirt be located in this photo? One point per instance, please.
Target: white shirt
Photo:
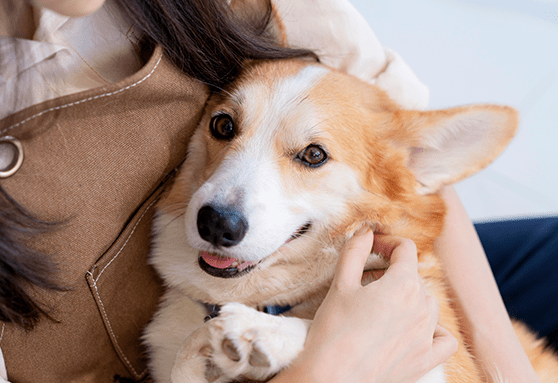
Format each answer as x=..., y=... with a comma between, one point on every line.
x=69, y=55
x=66, y=55
x=342, y=38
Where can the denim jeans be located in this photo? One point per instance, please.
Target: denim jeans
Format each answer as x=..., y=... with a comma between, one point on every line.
x=523, y=255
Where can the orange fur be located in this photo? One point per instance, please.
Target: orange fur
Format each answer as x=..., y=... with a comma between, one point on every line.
x=541, y=357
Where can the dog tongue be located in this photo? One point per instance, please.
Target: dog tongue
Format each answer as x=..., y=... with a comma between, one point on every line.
x=217, y=261
x=223, y=262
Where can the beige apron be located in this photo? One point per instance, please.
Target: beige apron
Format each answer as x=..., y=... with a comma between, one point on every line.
x=98, y=161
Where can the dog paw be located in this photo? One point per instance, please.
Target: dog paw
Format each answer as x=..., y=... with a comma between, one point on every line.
x=248, y=344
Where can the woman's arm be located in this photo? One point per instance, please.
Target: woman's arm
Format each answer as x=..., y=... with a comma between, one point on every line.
x=384, y=332
x=342, y=38
x=486, y=322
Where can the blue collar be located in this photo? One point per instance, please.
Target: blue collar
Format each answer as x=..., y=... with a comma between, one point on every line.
x=276, y=310
x=213, y=310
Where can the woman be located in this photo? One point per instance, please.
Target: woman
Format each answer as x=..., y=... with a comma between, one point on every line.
x=100, y=143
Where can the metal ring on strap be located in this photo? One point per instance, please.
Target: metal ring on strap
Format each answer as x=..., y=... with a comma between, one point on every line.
x=11, y=156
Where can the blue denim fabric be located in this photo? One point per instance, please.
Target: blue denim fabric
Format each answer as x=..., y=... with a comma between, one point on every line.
x=523, y=255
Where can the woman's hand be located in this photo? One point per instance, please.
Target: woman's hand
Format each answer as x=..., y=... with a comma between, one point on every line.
x=385, y=331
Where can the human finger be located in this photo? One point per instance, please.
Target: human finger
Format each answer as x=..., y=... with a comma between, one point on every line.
x=400, y=251
x=444, y=345
x=434, y=310
x=374, y=274
x=352, y=258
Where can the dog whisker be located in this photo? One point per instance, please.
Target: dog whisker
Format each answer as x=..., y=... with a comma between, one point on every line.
x=320, y=242
x=281, y=254
x=215, y=88
x=298, y=253
x=315, y=231
x=173, y=207
x=322, y=121
x=175, y=218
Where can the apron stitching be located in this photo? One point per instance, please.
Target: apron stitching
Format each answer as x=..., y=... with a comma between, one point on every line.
x=94, y=280
x=112, y=333
x=127, y=239
x=82, y=101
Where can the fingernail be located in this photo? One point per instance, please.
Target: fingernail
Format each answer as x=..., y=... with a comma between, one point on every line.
x=363, y=230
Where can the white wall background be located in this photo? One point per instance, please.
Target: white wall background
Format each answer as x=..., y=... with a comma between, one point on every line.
x=498, y=51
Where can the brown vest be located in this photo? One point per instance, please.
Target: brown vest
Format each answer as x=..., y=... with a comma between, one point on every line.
x=98, y=161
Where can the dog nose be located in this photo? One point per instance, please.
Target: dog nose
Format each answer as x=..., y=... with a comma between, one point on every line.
x=221, y=225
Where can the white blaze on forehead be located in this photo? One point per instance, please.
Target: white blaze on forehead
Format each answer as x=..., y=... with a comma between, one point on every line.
x=267, y=103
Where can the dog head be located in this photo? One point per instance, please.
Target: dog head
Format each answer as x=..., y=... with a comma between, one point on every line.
x=289, y=160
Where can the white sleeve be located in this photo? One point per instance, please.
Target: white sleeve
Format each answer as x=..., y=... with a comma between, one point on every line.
x=342, y=39
x=3, y=373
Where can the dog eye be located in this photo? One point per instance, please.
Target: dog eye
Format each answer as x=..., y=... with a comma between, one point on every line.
x=313, y=156
x=222, y=127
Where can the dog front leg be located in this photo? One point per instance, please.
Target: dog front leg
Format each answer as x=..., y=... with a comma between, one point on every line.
x=240, y=344
x=193, y=360
x=254, y=345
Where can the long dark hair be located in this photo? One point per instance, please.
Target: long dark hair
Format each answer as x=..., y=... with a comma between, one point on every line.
x=21, y=267
x=205, y=38
x=202, y=38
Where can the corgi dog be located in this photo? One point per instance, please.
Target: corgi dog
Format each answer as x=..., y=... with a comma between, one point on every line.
x=286, y=164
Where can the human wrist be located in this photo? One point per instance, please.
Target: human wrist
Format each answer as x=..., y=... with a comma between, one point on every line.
x=298, y=372
x=313, y=367
x=501, y=357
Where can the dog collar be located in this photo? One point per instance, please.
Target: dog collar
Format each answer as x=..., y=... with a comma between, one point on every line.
x=213, y=310
x=276, y=310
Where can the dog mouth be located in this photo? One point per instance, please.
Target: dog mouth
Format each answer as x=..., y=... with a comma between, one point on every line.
x=302, y=230
x=229, y=267
x=224, y=267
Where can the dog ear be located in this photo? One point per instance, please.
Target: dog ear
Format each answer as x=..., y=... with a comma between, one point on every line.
x=446, y=146
x=262, y=16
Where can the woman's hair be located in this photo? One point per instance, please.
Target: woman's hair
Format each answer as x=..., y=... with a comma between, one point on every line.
x=203, y=39
x=21, y=267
